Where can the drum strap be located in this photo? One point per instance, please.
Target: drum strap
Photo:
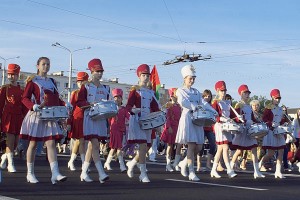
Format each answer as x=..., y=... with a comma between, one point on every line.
x=237, y=114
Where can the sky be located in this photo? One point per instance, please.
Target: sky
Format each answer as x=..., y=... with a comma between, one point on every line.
x=255, y=42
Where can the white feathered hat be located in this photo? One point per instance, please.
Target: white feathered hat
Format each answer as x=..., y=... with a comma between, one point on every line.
x=188, y=70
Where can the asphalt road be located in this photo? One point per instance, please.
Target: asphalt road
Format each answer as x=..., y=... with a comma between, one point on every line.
x=164, y=185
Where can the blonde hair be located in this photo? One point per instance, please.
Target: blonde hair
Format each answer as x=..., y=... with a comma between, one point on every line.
x=254, y=102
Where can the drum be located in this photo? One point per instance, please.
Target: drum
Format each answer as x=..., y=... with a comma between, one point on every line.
x=152, y=120
x=53, y=113
x=103, y=110
x=203, y=118
x=283, y=129
x=232, y=127
x=258, y=130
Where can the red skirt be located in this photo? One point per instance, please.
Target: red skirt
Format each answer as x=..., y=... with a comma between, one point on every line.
x=116, y=138
x=11, y=123
x=77, y=128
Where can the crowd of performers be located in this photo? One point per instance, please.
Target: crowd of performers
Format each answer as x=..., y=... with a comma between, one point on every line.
x=20, y=120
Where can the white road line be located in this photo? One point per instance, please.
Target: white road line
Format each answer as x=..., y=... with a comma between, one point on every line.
x=219, y=185
x=7, y=198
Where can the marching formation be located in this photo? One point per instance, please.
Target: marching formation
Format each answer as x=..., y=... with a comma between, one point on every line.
x=36, y=114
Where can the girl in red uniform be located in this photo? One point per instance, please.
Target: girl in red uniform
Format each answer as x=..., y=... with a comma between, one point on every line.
x=273, y=117
x=144, y=101
x=117, y=130
x=41, y=91
x=93, y=130
x=223, y=138
x=170, y=129
x=76, y=122
x=12, y=113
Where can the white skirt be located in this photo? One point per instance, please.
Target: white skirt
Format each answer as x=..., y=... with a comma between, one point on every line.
x=135, y=133
x=189, y=132
x=243, y=141
x=33, y=128
x=94, y=128
x=272, y=141
x=222, y=137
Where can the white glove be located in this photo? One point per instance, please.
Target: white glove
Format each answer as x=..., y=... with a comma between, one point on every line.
x=69, y=106
x=224, y=119
x=36, y=107
x=275, y=124
x=249, y=122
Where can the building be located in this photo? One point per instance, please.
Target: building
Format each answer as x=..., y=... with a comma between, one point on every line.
x=62, y=82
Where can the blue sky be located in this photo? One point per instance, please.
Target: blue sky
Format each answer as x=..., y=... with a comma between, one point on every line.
x=251, y=42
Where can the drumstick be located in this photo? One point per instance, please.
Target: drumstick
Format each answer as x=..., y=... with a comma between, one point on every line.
x=84, y=107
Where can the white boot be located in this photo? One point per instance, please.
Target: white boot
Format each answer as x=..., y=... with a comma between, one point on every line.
x=56, y=176
x=143, y=177
x=30, y=173
x=192, y=175
x=183, y=164
x=176, y=161
x=10, y=159
x=130, y=165
x=168, y=166
x=107, y=163
x=230, y=171
x=198, y=163
x=278, y=173
x=214, y=172
x=71, y=165
x=208, y=161
x=257, y=173
x=3, y=161
x=102, y=175
x=122, y=164
x=84, y=176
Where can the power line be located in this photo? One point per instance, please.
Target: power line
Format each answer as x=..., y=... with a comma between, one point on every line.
x=81, y=36
x=104, y=20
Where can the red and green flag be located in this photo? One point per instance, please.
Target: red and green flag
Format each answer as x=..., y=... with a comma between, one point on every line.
x=155, y=81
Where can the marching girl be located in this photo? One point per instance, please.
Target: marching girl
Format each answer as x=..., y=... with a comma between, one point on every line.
x=170, y=129
x=273, y=117
x=223, y=138
x=12, y=112
x=242, y=141
x=144, y=101
x=93, y=130
x=117, y=130
x=41, y=91
x=76, y=132
x=188, y=133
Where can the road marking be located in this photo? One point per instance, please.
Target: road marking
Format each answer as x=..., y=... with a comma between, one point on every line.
x=219, y=185
x=7, y=198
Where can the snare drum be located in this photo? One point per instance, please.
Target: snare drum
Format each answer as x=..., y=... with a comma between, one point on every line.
x=152, y=120
x=258, y=130
x=203, y=118
x=232, y=127
x=103, y=110
x=283, y=129
x=53, y=113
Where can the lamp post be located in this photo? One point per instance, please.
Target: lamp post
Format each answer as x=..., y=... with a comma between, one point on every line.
x=4, y=65
x=71, y=64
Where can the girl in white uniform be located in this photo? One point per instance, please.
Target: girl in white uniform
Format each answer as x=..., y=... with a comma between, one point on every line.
x=93, y=130
x=188, y=133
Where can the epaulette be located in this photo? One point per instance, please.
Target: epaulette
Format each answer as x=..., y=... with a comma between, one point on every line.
x=75, y=91
x=135, y=87
x=270, y=106
x=215, y=100
x=29, y=78
x=169, y=105
x=239, y=105
x=4, y=86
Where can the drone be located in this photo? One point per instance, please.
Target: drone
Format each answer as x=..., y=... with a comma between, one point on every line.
x=187, y=58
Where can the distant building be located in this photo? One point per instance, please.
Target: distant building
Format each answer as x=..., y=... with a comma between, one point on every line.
x=63, y=84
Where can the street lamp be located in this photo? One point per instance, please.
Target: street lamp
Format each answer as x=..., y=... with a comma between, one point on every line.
x=4, y=63
x=71, y=64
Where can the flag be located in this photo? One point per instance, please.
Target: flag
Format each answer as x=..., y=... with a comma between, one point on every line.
x=155, y=81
